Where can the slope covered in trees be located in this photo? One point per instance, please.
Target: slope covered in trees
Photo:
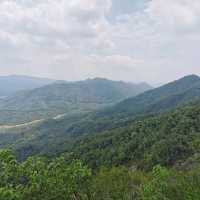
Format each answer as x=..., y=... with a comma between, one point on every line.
x=141, y=157
x=160, y=99
x=64, y=98
x=168, y=139
x=52, y=136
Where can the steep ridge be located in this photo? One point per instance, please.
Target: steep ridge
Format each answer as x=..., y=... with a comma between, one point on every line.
x=170, y=95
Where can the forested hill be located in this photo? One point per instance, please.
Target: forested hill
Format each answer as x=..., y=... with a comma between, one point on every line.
x=52, y=136
x=65, y=98
x=160, y=99
x=170, y=139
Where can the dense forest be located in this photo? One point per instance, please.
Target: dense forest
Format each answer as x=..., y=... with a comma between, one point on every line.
x=164, y=139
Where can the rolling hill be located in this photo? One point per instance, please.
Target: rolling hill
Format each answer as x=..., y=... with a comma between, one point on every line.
x=53, y=136
x=65, y=98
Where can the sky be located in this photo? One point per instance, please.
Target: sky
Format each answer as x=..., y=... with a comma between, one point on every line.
x=133, y=40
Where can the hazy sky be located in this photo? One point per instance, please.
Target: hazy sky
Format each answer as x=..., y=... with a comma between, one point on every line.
x=135, y=40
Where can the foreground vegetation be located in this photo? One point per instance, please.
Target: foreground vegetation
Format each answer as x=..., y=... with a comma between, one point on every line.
x=38, y=178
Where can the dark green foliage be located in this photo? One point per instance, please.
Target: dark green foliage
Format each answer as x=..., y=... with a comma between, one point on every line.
x=165, y=139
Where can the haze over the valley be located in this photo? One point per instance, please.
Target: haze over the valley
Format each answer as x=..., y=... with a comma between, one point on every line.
x=99, y=100
x=155, y=41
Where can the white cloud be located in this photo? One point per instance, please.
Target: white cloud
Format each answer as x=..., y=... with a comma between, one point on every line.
x=74, y=39
x=65, y=20
x=165, y=35
x=176, y=14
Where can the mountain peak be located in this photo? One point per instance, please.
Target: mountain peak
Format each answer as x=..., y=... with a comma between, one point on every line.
x=184, y=82
x=98, y=79
x=192, y=77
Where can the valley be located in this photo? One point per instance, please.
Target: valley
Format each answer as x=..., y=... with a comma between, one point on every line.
x=108, y=128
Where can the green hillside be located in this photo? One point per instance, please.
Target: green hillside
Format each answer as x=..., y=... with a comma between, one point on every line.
x=146, y=156
x=166, y=139
x=163, y=98
x=53, y=136
x=65, y=98
x=154, y=158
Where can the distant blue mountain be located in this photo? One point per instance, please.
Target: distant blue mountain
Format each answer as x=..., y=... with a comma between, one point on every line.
x=15, y=83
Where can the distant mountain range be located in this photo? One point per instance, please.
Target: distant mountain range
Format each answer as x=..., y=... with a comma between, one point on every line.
x=9, y=85
x=65, y=98
x=55, y=135
x=160, y=99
